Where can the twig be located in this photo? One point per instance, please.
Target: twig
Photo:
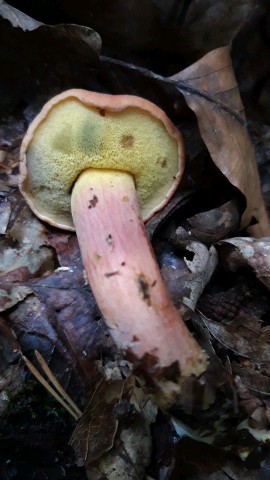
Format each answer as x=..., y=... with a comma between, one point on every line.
x=77, y=413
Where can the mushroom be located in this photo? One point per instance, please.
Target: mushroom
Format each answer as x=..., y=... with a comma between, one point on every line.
x=100, y=164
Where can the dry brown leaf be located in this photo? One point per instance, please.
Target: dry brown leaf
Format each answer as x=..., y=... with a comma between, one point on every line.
x=224, y=305
x=66, y=247
x=131, y=451
x=252, y=252
x=186, y=278
x=211, y=91
x=24, y=245
x=95, y=432
x=214, y=225
x=62, y=321
x=246, y=337
x=247, y=400
x=197, y=461
x=257, y=383
x=10, y=295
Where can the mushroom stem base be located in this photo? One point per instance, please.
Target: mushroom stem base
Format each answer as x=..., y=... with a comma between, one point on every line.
x=125, y=278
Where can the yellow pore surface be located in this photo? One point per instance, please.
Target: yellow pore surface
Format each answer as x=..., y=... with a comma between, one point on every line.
x=75, y=137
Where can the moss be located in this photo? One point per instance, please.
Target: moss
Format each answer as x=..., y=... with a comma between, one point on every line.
x=33, y=404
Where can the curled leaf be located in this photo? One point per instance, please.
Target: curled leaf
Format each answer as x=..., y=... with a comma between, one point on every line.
x=252, y=252
x=186, y=278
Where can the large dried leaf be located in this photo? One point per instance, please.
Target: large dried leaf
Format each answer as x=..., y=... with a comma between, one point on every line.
x=211, y=91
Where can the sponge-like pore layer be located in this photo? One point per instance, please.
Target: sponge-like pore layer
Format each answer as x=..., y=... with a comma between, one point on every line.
x=74, y=137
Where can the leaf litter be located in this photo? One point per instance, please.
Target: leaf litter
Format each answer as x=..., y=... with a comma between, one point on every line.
x=46, y=301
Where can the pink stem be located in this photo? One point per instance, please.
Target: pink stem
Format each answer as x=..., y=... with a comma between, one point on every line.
x=124, y=274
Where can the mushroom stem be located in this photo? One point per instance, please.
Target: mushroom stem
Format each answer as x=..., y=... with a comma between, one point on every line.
x=124, y=275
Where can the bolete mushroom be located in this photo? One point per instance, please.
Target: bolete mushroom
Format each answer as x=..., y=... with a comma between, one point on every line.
x=100, y=164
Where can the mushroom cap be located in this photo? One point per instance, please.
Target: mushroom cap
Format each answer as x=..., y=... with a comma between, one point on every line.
x=78, y=130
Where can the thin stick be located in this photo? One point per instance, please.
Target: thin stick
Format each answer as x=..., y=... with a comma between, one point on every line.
x=45, y=384
x=55, y=382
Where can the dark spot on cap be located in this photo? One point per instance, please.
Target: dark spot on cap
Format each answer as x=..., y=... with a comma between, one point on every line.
x=102, y=112
x=93, y=201
x=162, y=161
x=127, y=140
